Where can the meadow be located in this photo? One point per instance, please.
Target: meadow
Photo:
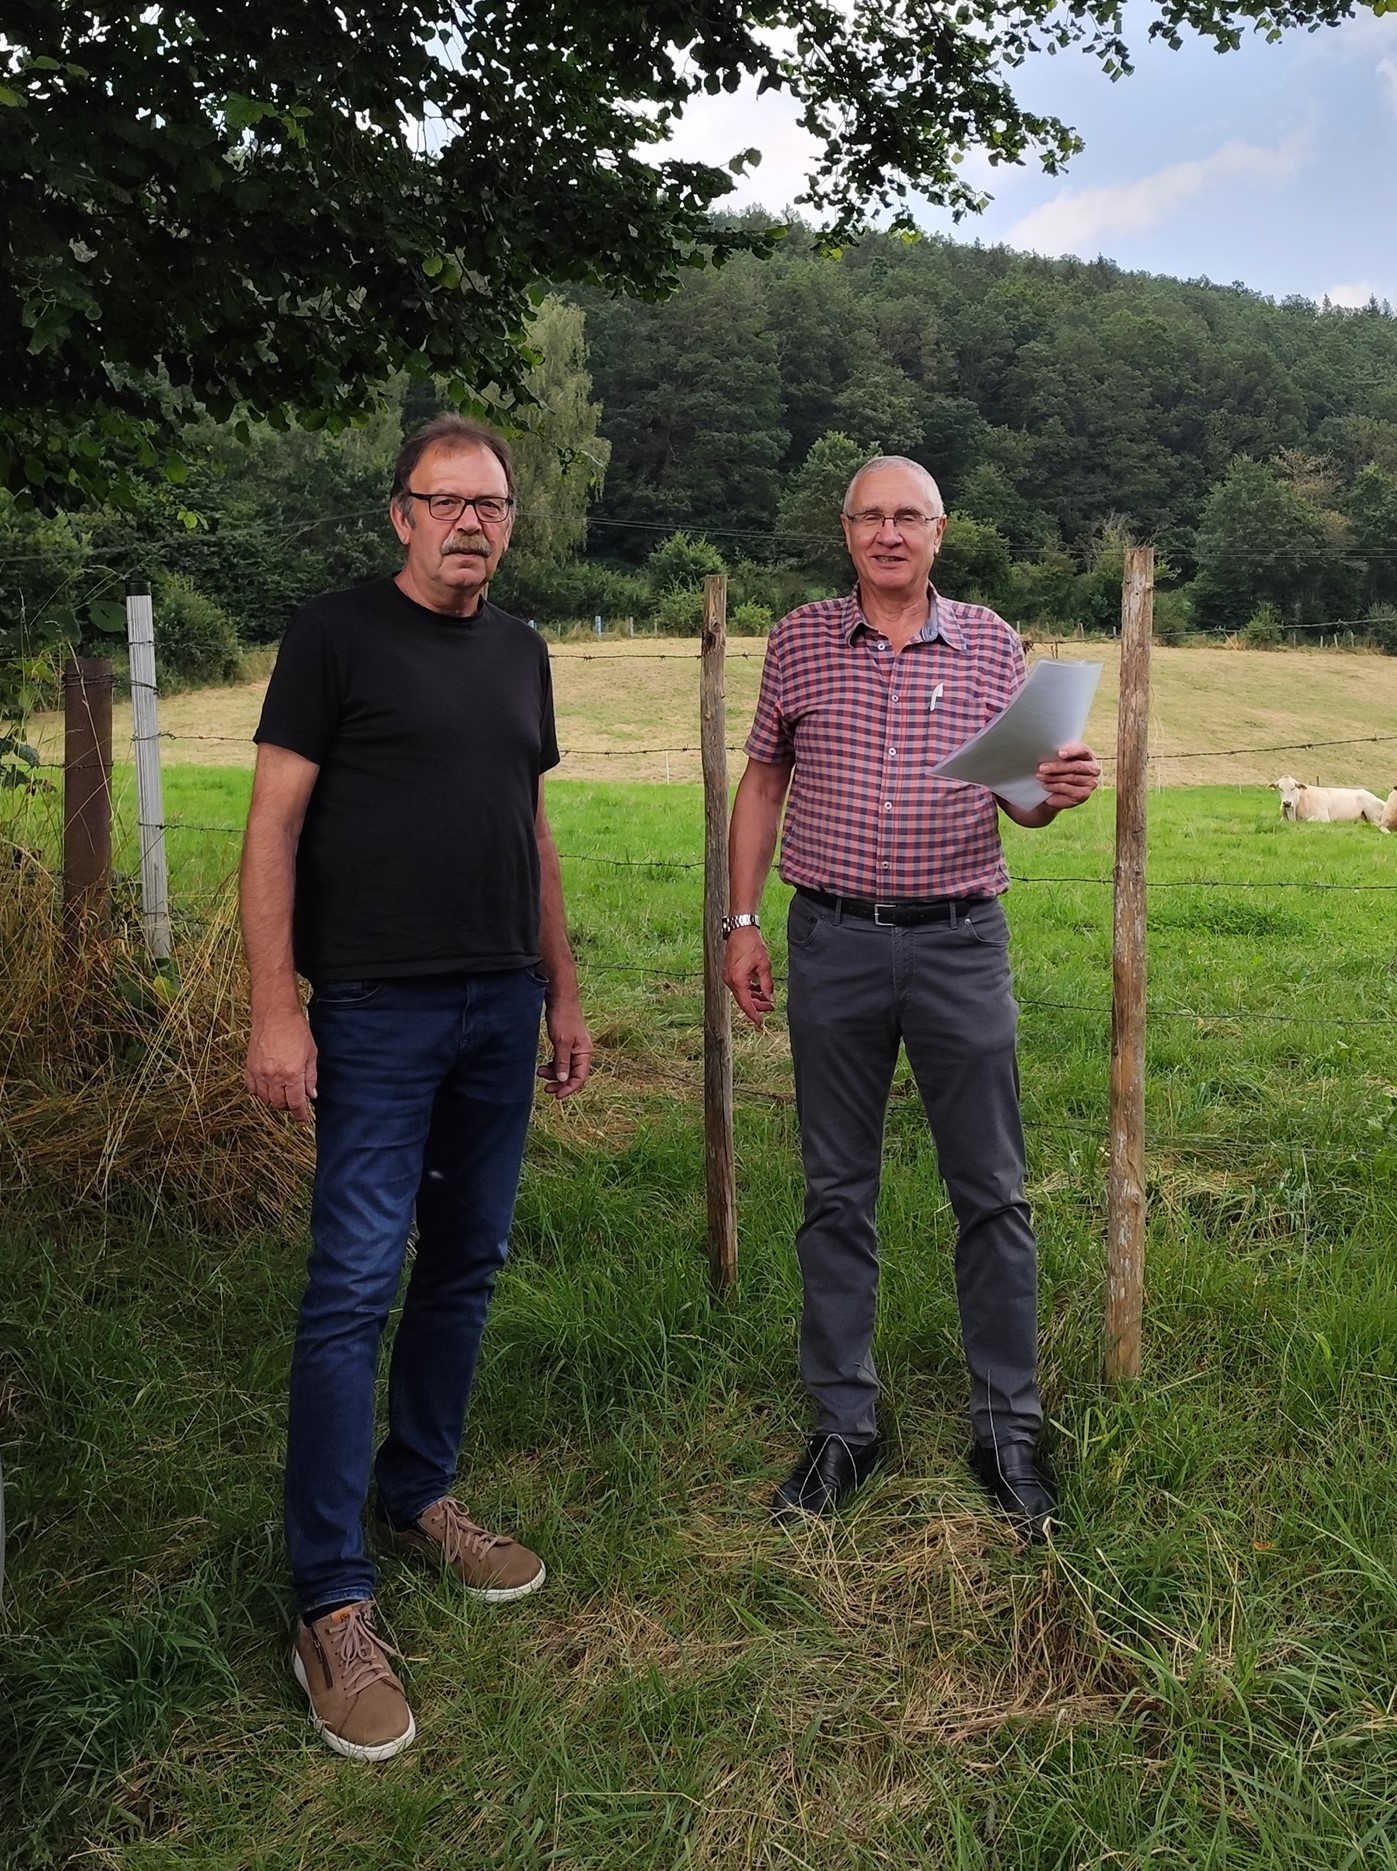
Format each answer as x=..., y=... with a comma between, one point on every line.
x=1199, y=1672
x=628, y=710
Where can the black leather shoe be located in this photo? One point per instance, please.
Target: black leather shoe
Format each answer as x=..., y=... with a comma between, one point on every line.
x=1014, y=1482
x=825, y=1476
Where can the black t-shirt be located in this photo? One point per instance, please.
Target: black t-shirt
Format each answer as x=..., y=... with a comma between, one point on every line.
x=418, y=854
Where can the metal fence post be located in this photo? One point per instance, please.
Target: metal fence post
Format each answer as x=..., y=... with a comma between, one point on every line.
x=145, y=736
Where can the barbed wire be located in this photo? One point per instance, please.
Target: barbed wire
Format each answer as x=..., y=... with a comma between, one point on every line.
x=1202, y=753
x=1283, y=747
x=1016, y=877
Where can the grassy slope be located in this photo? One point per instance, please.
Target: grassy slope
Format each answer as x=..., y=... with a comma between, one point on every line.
x=1199, y=1675
x=621, y=705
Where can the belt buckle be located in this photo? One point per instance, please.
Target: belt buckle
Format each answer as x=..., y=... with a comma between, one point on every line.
x=878, y=918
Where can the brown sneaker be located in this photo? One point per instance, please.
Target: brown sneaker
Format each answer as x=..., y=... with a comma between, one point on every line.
x=356, y=1701
x=490, y=1565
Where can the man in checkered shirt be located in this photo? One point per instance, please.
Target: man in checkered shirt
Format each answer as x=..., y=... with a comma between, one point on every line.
x=896, y=937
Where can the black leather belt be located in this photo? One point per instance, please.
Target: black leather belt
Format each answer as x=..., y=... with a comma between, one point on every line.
x=900, y=915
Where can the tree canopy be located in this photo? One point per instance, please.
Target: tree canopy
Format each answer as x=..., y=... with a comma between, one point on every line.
x=1048, y=397
x=255, y=212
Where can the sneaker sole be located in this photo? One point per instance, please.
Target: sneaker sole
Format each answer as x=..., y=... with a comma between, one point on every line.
x=352, y=1750
x=504, y=1594
x=403, y=1544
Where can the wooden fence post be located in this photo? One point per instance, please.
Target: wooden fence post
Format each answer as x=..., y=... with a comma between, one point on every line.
x=719, y=1160
x=1125, y=1205
x=145, y=736
x=87, y=796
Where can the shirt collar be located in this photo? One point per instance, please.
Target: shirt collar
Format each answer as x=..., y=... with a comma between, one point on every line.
x=940, y=620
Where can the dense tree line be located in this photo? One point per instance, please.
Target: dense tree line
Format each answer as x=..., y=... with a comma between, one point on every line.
x=1062, y=405
x=1065, y=409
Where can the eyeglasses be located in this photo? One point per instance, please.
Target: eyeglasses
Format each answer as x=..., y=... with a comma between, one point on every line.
x=490, y=509
x=906, y=519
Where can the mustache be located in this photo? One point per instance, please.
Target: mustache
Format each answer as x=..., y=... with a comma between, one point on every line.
x=475, y=544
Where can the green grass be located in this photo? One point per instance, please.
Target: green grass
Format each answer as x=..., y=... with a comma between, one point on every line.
x=1201, y=1673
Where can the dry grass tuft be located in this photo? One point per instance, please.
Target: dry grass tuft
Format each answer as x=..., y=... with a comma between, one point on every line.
x=865, y=1645
x=114, y=1078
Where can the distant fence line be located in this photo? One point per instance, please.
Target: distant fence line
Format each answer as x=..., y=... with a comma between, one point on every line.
x=737, y=747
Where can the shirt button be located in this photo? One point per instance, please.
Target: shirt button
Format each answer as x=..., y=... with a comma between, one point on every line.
x=892, y=753
x=887, y=805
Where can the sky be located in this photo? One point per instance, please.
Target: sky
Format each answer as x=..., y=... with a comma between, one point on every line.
x=1274, y=166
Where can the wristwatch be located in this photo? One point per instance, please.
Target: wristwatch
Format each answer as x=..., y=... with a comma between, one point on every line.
x=743, y=920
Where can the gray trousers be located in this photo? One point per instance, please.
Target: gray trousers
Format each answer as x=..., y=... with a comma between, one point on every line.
x=856, y=990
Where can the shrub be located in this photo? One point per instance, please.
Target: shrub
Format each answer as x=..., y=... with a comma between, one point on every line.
x=679, y=613
x=577, y=589
x=1173, y=616
x=195, y=639
x=1264, y=629
x=681, y=563
x=1046, y=590
x=777, y=588
x=973, y=563
x=750, y=620
x=1381, y=626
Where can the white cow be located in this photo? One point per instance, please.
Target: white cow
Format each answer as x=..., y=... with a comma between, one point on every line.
x=1388, y=821
x=1333, y=805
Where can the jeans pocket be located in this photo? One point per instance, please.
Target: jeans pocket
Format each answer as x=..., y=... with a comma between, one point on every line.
x=987, y=924
x=538, y=977
x=344, y=993
x=802, y=925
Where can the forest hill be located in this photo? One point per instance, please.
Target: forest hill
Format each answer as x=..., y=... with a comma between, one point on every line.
x=1063, y=407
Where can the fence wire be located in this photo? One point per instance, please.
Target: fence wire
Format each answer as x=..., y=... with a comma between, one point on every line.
x=1041, y=1010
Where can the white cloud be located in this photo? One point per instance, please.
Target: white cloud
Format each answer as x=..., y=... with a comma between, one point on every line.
x=714, y=129
x=1080, y=219
x=1355, y=38
x=1387, y=77
x=1356, y=295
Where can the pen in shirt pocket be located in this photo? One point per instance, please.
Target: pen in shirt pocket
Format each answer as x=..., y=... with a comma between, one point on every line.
x=936, y=695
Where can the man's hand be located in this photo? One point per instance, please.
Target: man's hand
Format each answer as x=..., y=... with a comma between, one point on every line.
x=1070, y=779
x=280, y=1066
x=568, y=1069
x=747, y=971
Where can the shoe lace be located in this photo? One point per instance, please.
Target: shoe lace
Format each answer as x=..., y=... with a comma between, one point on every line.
x=462, y=1537
x=362, y=1653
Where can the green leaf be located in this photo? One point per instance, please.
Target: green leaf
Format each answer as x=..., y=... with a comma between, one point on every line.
x=108, y=616
x=241, y=113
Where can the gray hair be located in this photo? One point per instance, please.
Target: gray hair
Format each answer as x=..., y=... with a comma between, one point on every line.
x=898, y=461
x=451, y=431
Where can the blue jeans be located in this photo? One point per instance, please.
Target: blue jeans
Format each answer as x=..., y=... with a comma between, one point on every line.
x=425, y=1090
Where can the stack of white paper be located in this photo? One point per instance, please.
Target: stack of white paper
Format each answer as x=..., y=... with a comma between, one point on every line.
x=1050, y=710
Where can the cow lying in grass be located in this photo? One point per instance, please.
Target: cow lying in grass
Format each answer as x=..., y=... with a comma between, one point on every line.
x=1333, y=805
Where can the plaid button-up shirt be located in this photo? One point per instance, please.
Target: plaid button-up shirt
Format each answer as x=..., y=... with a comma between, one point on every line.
x=864, y=727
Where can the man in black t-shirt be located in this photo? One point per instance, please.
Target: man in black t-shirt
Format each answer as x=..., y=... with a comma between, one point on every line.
x=398, y=857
